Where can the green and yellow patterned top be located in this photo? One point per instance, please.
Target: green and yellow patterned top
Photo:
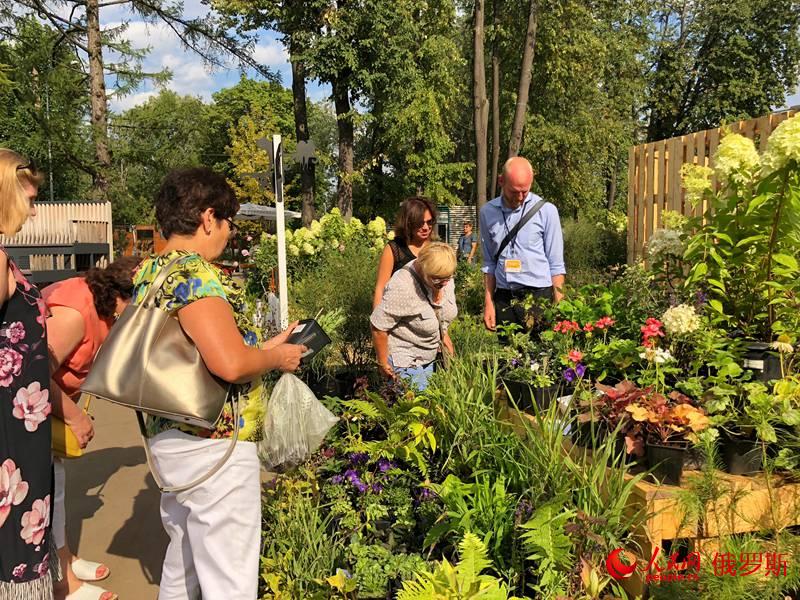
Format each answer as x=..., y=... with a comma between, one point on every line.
x=193, y=278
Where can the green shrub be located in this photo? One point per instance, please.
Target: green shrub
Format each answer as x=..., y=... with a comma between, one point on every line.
x=592, y=243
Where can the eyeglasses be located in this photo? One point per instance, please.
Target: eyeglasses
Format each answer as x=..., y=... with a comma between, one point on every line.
x=440, y=280
x=429, y=223
x=233, y=227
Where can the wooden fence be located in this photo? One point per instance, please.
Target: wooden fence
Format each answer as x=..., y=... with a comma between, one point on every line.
x=62, y=223
x=654, y=181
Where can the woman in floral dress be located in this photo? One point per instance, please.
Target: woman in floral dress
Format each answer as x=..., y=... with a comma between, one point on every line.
x=26, y=472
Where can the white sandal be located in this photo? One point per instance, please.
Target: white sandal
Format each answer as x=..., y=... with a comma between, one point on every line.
x=87, y=591
x=86, y=570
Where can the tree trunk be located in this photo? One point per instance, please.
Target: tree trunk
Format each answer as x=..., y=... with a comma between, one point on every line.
x=99, y=106
x=480, y=105
x=495, y=98
x=611, y=186
x=344, y=122
x=521, y=110
x=302, y=134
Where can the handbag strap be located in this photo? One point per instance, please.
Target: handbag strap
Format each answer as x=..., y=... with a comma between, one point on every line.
x=174, y=489
x=159, y=281
x=520, y=224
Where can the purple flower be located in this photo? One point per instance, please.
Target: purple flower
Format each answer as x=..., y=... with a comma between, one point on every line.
x=570, y=374
x=351, y=475
x=385, y=465
x=426, y=494
x=377, y=488
x=524, y=510
x=360, y=486
x=580, y=370
x=514, y=362
x=337, y=479
x=358, y=458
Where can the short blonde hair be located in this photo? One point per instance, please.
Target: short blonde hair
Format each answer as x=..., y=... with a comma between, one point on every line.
x=436, y=259
x=15, y=172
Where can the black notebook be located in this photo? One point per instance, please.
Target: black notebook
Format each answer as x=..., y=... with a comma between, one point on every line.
x=309, y=334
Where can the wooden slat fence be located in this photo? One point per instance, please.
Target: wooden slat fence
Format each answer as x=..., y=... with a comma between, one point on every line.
x=61, y=223
x=654, y=181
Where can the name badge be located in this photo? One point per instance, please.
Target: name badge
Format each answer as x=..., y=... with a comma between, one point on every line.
x=513, y=265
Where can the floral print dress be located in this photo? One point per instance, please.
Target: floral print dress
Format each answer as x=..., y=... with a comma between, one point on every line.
x=26, y=472
x=191, y=279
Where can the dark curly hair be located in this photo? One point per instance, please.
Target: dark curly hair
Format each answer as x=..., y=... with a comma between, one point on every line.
x=186, y=193
x=410, y=217
x=115, y=281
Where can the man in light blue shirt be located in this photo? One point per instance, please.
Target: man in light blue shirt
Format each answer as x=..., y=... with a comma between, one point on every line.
x=533, y=262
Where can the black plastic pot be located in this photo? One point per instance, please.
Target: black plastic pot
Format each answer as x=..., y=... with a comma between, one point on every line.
x=742, y=456
x=581, y=434
x=764, y=363
x=524, y=395
x=620, y=450
x=667, y=461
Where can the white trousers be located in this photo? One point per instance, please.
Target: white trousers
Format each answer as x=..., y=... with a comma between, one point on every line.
x=59, y=511
x=214, y=528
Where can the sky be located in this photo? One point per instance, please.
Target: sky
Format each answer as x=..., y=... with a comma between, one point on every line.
x=190, y=75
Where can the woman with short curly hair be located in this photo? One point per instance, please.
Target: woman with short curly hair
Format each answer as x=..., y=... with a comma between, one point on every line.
x=82, y=311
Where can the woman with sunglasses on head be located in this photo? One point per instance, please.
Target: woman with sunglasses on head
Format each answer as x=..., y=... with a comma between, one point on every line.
x=26, y=470
x=81, y=312
x=415, y=226
x=409, y=325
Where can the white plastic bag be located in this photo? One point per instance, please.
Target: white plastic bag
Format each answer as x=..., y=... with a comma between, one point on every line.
x=294, y=425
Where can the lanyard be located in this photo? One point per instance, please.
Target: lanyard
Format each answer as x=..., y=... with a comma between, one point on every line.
x=505, y=222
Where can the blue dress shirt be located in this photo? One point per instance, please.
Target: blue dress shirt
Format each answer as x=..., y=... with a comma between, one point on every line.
x=539, y=244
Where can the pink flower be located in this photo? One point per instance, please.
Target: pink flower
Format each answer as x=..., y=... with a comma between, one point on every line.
x=566, y=326
x=245, y=252
x=588, y=328
x=12, y=489
x=604, y=322
x=35, y=521
x=10, y=365
x=43, y=567
x=32, y=404
x=19, y=570
x=575, y=356
x=249, y=238
x=650, y=331
x=15, y=332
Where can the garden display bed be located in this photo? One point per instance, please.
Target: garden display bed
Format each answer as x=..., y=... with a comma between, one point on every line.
x=752, y=503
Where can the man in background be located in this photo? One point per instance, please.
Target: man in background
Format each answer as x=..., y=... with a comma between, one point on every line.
x=467, y=244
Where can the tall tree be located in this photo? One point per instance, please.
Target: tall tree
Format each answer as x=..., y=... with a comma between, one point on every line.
x=207, y=36
x=480, y=103
x=496, y=7
x=715, y=60
x=521, y=110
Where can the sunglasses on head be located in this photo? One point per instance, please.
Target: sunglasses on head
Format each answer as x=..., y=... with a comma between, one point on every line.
x=29, y=164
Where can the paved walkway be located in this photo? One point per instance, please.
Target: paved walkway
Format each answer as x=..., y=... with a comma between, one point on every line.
x=112, y=506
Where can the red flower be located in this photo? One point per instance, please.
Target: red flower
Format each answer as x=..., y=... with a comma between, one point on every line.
x=604, y=322
x=566, y=326
x=588, y=327
x=575, y=355
x=650, y=331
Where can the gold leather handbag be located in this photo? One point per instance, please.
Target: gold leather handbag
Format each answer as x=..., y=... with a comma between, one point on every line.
x=149, y=364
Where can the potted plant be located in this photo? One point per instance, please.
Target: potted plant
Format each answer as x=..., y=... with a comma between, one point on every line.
x=744, y=251
x=605, y=412
x=667, y=425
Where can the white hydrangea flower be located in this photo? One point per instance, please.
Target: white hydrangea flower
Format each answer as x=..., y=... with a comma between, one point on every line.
x=783, y=146
x=316, y=227
x=334, y=243
x=665, y=243
x=376, y=227
x=293, y=250
x=308, y=248
x=656, y=355
x=736, y=159
x=680, y=320
x=390, y=235
x=696, y=180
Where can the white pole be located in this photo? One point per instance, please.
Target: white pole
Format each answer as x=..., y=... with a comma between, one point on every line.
x=283, y=290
